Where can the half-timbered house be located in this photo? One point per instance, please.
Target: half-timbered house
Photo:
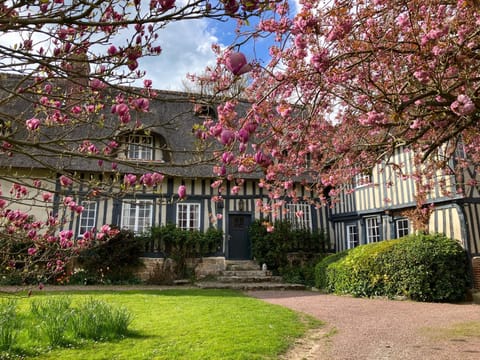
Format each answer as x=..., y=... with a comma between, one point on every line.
x=166, y=144
x=375, y=206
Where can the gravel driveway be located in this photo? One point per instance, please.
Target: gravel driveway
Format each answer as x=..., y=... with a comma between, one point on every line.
x=382, y=329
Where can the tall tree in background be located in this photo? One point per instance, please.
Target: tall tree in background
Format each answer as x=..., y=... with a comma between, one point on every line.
x=351, y=81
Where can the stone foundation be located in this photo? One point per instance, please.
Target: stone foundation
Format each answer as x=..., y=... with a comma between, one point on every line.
x=156, y=267
x=476, y=272
x=210, y=266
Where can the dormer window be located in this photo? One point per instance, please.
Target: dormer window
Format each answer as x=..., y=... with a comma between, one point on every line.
x=140, y=147
x=362, y=179
x=143, y=146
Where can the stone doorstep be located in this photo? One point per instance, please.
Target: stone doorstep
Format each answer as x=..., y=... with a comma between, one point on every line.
x=246, y=273
x=236, y=265
x=249, y=279
x=249, y=286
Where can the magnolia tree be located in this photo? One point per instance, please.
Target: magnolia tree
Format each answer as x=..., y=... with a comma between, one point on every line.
x=64, y=71
x=349, y=83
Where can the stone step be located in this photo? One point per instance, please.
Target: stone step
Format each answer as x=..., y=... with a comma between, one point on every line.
x=242, y=265
x=246, y=273
x=249, y=279
x=249, y=286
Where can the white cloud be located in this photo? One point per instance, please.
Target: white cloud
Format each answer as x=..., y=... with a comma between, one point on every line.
x=186, y=48
x=296, y=6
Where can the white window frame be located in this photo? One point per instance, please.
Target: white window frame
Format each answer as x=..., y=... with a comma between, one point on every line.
x=140, y=147
x=142, y=222
x=372, y=225
x=188, y=216
x=87, y=217
x=401, y=229
x=303, y=222
x=353, y=237
x=362, y=179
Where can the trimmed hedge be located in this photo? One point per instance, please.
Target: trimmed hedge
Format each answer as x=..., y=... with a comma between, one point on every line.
x=420, y=267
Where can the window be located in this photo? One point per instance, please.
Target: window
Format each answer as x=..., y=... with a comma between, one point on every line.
x=188, y=216
x=137, y=215
x=362, y=179
x=299, y=216
x=140, y=147
x=352, y=236
x=88, y=217
x=402, y=226
x=373, y=230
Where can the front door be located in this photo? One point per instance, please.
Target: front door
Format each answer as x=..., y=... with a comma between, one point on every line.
x=239, y=246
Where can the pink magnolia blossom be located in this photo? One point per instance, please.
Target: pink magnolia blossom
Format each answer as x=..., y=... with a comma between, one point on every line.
x=228, y=157
x=65, y=181
x=97, y=84
x=130, y=180
x=227, y=137
x=182, y=192
x=231, y=6
x=236, y=62
x=151, y=179
x=47, y=196
x=32, y=124
x=166, y=4
x=141, y=104
x=112, y=50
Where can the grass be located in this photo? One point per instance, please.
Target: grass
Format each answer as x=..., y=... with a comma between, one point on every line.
x=186, y=324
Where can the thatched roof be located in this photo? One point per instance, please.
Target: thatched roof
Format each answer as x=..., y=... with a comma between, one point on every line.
x=171, y=117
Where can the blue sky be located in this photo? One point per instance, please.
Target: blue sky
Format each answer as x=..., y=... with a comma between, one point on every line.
x=186, y=48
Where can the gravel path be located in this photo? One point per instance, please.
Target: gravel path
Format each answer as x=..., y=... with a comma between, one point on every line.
x=381, y=329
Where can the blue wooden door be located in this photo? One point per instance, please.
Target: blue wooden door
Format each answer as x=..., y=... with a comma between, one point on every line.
x=239, y=245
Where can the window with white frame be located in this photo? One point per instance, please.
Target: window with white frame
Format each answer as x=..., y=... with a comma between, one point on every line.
x=373, y=229
x=300, y=216
x=188, y=216
x=88, y=217
x=362, y=179
x=402, y=226
x=140, y=147
x=353, y=239
x=137, y=215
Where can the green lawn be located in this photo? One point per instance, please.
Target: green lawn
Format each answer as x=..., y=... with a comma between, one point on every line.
x=190, y=324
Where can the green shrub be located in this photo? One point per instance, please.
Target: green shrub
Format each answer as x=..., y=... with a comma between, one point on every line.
x=321, y=269
x=304, y=274
x=359, y=273
x=98, y=320
x=9, y=324
x=420, y=267
x=113, y=260
x=272, y=248
x=427, y=268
